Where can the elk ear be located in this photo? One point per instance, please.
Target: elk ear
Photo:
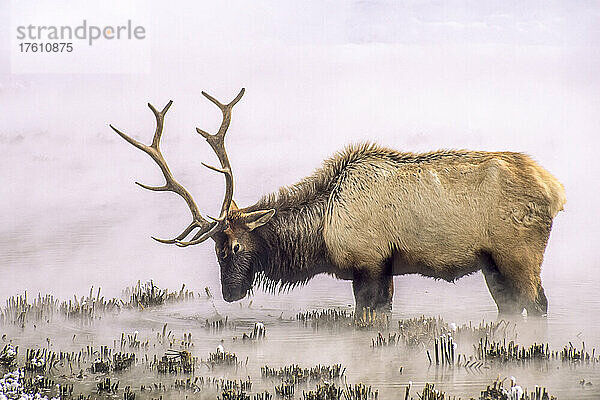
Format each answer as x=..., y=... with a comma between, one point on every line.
x=255, y=219
x=233, y=206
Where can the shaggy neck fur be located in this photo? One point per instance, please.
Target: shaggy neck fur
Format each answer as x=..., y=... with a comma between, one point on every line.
x=293, y=247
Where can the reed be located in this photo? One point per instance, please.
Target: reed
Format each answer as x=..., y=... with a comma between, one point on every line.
x=175, y=362
x=325, y=391
x=285, y=390
x=294, y=374
x=108, y=387
x=222, y=358
x=360, y=391
x=258, y=332
x=8, y=355
x=511, y=352
x=19, y=310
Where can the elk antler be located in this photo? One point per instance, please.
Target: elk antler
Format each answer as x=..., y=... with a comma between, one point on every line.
x=217, y=142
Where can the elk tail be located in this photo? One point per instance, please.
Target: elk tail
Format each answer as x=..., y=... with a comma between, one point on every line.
x=554, y=190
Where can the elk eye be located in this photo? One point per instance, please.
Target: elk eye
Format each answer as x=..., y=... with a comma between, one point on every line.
x=236, y=248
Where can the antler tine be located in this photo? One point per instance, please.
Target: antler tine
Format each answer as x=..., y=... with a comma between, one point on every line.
x=202, y=236
x=190, y=228
x=160, y=120
x=171, y=184
x=217, y=143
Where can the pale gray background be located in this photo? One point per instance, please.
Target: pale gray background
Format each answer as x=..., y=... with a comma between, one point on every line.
x=416, y=76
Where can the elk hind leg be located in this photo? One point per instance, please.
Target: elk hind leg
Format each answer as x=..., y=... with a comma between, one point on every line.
x=501, y=290
x=513, y=279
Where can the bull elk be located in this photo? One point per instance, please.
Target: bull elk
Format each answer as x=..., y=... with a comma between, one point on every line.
x=370, y=213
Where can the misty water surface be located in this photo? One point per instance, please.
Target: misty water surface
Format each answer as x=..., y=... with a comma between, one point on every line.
x=409, y=77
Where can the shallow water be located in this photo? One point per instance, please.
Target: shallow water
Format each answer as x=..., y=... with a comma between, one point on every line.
x=388, y=369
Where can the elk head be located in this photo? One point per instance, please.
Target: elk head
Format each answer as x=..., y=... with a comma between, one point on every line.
x=236, y=243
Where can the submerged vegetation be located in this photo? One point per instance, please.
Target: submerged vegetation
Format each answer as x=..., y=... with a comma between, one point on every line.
x=166, y=362
x=340, y=319
x=19, y=310
x=495, y=391
x=296, y=374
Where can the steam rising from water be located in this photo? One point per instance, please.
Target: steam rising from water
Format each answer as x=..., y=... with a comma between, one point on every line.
x=478, y=79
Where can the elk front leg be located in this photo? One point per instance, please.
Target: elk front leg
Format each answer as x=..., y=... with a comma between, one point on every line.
x=373, y=292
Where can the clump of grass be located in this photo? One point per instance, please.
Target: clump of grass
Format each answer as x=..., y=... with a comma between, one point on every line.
x=105, y=386
x=430, y=393
x=494, y=330
x=156, y=387
x=15, y=385
x=571, y=355
x=262, y=396
x=413, y=333
x=228, y=384
x=494, y=391
x=330, y=391
x=295, y=374
x=175, y=362
x=342, y=319
x=8, y=355
x=118, y=362
x=128, y=394
x=237, y=390
x=503, y=352
x=19, y=310
x=40, y=360
x=233, y=395
x=133, y=342
x=381, y=341
x=122, y=361
x=328, y=318
x=150, y=295
x=218, y=324
x=285, y=390
x=360, y=391
x=325, y=391
x=497, y=391
x=241, y=395
x=222, y=358
x=258, y=333
x=100, y=366
x=87, y=309
x=444, y=350
x=420, y=331
x=190, y=385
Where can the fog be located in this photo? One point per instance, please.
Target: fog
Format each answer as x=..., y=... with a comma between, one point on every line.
x=413, y=77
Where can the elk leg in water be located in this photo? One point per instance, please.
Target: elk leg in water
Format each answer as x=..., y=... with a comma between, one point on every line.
x=373, y=292
x=540, y=306
x=503, y=294
x=512, y=294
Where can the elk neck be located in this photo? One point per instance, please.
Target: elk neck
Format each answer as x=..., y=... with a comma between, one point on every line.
x=292, y=246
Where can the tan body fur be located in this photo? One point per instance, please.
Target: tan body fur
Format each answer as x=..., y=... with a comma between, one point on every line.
x=443, y=214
